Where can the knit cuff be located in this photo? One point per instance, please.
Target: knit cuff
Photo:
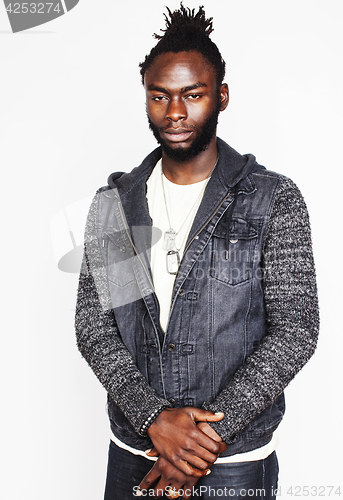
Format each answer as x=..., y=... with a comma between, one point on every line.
x=222, y=427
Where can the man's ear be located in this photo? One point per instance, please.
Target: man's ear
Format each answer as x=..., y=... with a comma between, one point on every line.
x=224, y=96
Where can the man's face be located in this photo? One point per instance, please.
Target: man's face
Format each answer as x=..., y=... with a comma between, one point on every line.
x=183, y=103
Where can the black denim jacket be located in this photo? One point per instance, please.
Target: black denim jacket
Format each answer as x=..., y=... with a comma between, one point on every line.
x=224, y=346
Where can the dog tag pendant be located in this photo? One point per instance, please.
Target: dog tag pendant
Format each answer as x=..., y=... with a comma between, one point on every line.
x=169, y=240
x=173, y=261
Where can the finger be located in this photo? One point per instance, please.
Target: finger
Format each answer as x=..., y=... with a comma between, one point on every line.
x=197, y=443
x=197, y=437
x=223, y=446
x=209, y=431
x=169, y=481
x=188, y=489
x=160, y=488
x=206, y=446
x=173, y=490
x=149, y=479
x=194, y=463
x=187, y=468
x=152, y=452
x=200, y=415
x=190, y=470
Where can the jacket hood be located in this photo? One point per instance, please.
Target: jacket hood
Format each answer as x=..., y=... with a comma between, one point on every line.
x=232, y=166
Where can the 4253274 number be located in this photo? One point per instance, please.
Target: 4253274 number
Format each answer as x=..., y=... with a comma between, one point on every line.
x=314, y=491
x=33, y=8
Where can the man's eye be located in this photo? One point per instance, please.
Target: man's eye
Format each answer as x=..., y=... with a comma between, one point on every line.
x=158, y=98
x=193, y=96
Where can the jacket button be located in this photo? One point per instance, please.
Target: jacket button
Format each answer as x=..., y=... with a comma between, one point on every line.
x=171, y=347
x=172, y=401
x=181, y=292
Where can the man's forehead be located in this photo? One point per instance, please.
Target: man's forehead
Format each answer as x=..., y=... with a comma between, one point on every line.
x=181, y=69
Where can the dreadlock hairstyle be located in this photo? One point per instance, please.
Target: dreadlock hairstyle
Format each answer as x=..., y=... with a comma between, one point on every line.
x=186, y=31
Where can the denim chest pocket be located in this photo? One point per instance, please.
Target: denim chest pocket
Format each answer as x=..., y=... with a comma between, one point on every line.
x=119, y=258
x=232, y=251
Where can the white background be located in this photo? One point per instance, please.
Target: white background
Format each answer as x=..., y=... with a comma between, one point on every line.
x=72, y=111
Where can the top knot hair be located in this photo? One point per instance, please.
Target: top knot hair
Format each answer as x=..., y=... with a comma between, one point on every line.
x=186, y=31
x=185, y=18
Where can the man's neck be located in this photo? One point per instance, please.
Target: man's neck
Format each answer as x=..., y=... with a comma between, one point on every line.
x=194, y=170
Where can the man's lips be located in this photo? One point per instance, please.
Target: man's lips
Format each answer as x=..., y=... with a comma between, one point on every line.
x=177, y=134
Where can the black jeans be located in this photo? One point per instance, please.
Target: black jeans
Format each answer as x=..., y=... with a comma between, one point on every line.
x=246, y=480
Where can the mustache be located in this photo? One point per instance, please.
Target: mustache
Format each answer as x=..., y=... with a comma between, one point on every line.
x=170, y=127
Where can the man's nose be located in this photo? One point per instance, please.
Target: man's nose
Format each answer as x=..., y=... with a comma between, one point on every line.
x=176, y=110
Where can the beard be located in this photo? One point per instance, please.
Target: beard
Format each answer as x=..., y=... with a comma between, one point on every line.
x=200, y=143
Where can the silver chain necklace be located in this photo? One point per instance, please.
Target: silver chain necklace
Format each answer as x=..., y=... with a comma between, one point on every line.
x=169, y=239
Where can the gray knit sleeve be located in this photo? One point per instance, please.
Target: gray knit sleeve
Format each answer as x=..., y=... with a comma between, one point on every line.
x=100, y=343
x=291, y=306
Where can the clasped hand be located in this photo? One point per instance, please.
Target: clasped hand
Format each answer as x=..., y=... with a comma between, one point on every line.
x=186, y=445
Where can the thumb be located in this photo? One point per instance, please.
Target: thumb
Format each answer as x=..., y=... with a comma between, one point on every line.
x=152, y=452
x=200, y=415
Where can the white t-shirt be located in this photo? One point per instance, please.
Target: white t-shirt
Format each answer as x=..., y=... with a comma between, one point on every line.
x=183, y=202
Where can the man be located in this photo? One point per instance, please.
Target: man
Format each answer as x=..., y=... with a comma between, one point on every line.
x=197, y=300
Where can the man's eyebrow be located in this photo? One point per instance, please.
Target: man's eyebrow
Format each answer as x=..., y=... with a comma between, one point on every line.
x=156, y=87
x=197, y=85
x=192, y=87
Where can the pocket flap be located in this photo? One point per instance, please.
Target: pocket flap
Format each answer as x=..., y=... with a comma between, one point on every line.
x=239, y=229
x=116, y=238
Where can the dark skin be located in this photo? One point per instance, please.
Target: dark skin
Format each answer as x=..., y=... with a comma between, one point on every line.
x=181, y=93
x=164, y=475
